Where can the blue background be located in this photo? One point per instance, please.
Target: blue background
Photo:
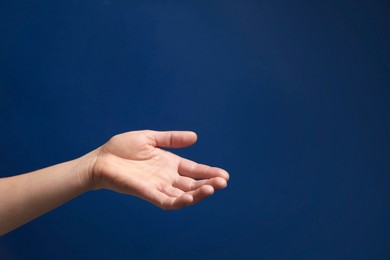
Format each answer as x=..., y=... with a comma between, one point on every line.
x=291, y=97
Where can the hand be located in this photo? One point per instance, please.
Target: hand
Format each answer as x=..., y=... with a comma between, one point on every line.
x=134, y=163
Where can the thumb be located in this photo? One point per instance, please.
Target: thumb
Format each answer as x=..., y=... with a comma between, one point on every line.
x=172, y=139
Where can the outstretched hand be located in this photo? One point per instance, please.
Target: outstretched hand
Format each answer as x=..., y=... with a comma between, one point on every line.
x=131, y=163
x=134, y=163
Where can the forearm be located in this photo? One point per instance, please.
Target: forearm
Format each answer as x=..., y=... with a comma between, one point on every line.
x=27, y=196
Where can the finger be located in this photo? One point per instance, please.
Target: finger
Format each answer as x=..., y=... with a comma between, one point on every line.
x=183, y=201
x=172, y=139
x=189, y=184
x=171, y=203
x=172, y=191
x=201, y=193
x=200, y=171
x=166, y=202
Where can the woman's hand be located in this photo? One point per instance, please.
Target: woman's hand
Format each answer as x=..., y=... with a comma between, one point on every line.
x=131, y=163
x=134, y=163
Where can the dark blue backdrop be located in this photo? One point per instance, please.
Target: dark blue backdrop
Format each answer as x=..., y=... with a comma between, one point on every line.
x=291, y=97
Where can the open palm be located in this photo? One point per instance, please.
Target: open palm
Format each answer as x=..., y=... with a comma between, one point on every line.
x=134, y=163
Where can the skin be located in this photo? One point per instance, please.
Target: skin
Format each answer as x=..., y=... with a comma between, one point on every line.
x=132, y=163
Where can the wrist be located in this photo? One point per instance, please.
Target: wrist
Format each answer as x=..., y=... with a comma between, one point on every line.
x=85, y=169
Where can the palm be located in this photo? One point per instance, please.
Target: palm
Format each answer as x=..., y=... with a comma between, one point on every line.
x=133, y=163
